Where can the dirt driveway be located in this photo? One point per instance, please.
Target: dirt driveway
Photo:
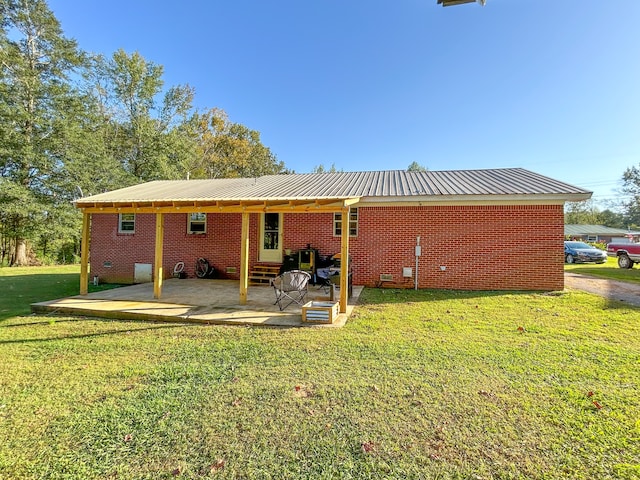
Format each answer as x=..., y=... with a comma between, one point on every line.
x=611, y=289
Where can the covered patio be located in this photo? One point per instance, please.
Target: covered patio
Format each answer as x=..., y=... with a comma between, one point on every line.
x=193, y=300
x=238, y=196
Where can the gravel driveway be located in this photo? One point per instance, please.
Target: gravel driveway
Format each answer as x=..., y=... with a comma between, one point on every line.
x=611, y=289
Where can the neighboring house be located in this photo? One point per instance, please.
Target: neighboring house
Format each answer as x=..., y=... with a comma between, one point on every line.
x=495, y=229
x=599, y=233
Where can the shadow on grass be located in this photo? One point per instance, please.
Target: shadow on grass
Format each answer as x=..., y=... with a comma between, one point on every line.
x=20, y=291
x=619, y=294
x=608, y=270
x=616, y=296
x=372, y=296
x=125, y=331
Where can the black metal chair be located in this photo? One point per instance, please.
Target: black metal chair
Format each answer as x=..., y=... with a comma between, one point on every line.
x=290, y=287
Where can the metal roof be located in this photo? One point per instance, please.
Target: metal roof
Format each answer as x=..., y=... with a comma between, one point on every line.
x=575, y=229
x=387, y=186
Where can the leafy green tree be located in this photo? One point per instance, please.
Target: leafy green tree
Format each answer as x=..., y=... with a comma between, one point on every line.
x=612, y=219
x=416, y=167
x=74, y=125
x=581, y=213
x=224, y=149
x=322, y=169
x=36, y=96
x=631, y=190
x=145, y=132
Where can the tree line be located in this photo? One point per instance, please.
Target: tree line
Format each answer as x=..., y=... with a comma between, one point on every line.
x=623, y=213
x=73, y=123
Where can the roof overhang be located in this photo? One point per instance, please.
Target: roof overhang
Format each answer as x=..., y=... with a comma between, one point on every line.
x=537, y=199
x=283, y=205
x=317, y=205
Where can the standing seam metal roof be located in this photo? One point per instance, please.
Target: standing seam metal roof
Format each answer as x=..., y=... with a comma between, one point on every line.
x=576, y=229
x=393, y=184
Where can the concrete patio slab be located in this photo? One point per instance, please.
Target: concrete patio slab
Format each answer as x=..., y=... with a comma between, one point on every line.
x=192, y=300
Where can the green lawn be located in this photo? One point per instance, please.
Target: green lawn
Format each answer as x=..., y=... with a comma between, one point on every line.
x=418, y=385
x=23, y=286
x=609, y=270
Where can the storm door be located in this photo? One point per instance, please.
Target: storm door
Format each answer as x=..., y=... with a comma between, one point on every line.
x=270, y=239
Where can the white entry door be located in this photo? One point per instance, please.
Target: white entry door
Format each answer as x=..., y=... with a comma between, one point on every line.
x=270, y=239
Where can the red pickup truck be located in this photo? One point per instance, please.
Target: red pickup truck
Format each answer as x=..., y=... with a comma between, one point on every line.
x=627, y=253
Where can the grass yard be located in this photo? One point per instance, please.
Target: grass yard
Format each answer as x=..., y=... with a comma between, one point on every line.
x=609, y=270
x=418, y=385
x=23, y=286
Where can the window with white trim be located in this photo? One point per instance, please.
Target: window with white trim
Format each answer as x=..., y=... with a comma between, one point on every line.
x=197, y=223
x=127, y=223
x=353, y=223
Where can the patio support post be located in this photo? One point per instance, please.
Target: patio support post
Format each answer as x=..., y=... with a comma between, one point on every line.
x=157, y=266
x=344, y=261
x=244, y=259
x=84, y=253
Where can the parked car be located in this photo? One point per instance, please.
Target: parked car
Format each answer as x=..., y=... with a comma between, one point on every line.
x=580, y=252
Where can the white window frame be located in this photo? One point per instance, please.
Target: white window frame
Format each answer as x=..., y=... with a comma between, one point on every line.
x=127, y=223
x=200, y=219
x=353, y=223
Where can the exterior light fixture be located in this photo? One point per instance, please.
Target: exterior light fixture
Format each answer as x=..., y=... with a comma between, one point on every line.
x=449, y=3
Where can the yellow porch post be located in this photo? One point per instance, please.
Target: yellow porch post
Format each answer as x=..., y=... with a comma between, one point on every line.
x=157, y=265
x=84, y=253
x=244, y=259
x=344, y=261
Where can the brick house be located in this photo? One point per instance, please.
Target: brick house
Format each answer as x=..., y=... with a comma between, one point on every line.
x=497, y=229
x=599, y=233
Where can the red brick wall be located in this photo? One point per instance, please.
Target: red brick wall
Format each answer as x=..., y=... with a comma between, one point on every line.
x=480, y=247
x=120, y=250
x=220, y=245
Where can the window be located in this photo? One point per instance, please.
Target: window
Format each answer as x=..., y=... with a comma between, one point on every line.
x=197, y=223
x=353, y=223
x=127, y=223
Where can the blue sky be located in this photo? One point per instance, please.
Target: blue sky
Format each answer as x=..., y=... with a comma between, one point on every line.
x=551, y=86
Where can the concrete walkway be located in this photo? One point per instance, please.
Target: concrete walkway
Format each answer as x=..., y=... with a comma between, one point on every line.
x=610, y=289
x=192, y=300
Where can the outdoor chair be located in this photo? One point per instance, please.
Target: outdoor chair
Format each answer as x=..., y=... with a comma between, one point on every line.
x=290, y=287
